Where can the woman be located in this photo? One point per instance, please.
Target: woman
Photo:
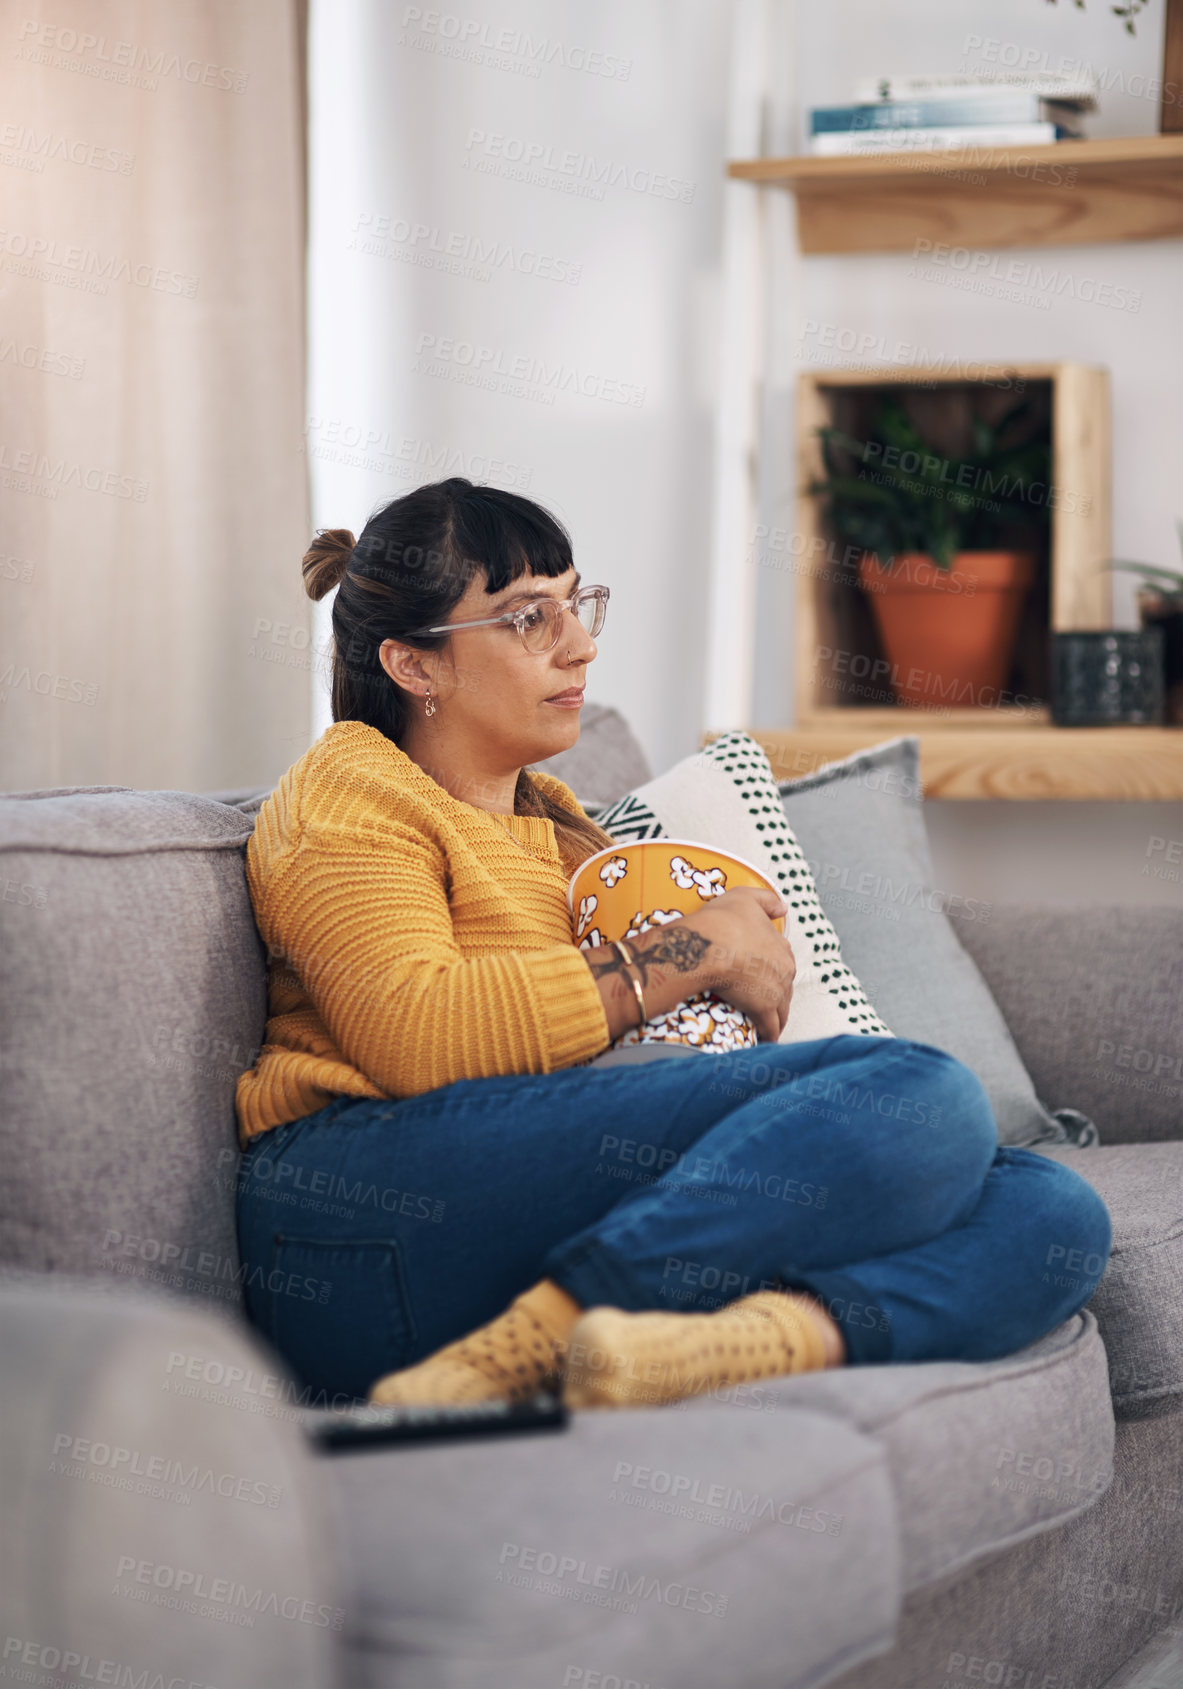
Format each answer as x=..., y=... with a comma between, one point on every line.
x=447, y=1202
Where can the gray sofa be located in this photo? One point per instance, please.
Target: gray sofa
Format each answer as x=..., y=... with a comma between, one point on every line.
x=904, y=1527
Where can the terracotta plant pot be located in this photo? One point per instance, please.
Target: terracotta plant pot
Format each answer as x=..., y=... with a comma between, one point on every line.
x=948, y=634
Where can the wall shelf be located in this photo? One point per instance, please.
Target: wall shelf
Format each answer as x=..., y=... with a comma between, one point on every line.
x=1032, y=761
x=1070, y=193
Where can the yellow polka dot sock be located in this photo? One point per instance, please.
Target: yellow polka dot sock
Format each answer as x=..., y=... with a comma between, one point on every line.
x=514, y=1356
x=617, y=1359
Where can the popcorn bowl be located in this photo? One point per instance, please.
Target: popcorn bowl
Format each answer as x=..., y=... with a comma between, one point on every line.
x=631, y=888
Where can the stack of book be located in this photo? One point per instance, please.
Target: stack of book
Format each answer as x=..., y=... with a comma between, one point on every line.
x=952, y=113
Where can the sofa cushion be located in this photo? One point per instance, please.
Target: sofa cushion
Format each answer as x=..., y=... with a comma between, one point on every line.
x=643, y=1547
x=860, y=823
x=135, y=990
x=981, y=1454
x=1139, y=1302
x=628, y=1055
x=1063, y=1610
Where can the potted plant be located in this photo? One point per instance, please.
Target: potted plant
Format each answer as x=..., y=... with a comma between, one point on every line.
x=937, y=534
x=1160, y=604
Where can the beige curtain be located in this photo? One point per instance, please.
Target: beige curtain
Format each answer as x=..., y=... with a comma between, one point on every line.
x=152, y=463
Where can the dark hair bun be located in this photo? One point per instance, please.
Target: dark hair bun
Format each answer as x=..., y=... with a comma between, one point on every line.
x=326, y=560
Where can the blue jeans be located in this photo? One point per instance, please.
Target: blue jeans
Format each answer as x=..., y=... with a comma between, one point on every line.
x=865, y=1170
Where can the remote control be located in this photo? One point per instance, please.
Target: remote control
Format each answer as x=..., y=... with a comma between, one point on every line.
x=345, y=1430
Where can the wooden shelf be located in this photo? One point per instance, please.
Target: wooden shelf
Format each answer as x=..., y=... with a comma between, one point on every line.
x=1070, y=193
x=886, y=721
x=1018, y=763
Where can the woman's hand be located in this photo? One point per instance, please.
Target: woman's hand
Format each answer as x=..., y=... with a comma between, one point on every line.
x=730, y=947
x=747, y=961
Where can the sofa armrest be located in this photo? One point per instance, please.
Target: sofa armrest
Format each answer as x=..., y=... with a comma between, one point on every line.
x=1093, y=997
x=162, y=1511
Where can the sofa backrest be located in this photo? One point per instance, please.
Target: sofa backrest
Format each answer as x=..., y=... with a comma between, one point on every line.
x=134, y=981
x=1094, y=999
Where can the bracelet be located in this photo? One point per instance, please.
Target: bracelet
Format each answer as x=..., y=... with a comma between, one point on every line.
x=634, y=979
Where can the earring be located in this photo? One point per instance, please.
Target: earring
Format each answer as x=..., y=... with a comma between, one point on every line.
x=430, y=710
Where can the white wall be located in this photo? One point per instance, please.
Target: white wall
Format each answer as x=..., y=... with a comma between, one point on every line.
x=393, y=111
x=1064, y=853
x=642, y=487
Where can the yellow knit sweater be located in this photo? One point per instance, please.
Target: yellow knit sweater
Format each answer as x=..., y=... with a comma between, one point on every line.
x=411, y=941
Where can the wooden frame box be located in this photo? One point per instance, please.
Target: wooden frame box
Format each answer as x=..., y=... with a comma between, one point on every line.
x=1076, y=592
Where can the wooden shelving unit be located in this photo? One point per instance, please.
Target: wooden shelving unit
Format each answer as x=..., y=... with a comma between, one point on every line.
x=1080, y=589
x=1069, y=194
x=1023, y=761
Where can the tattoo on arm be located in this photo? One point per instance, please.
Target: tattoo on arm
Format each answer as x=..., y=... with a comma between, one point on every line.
x=683, y=951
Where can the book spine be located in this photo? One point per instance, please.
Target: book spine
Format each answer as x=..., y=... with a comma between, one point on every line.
x=983, y=137
x=1077, y=91
x=926, y=114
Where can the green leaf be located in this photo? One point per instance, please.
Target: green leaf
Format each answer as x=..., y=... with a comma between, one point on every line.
x=1146, y=569
x=943, y=505
x=850, y=487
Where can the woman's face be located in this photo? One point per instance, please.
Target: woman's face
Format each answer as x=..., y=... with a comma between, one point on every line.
x=492, y=694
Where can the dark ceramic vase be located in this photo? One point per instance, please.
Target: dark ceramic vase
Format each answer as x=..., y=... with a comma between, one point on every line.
x=1109, y=678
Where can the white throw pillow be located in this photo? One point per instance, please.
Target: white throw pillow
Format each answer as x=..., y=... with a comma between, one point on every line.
x=727, y=796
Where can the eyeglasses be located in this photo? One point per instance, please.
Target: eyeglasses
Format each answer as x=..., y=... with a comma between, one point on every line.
x=540, y=622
